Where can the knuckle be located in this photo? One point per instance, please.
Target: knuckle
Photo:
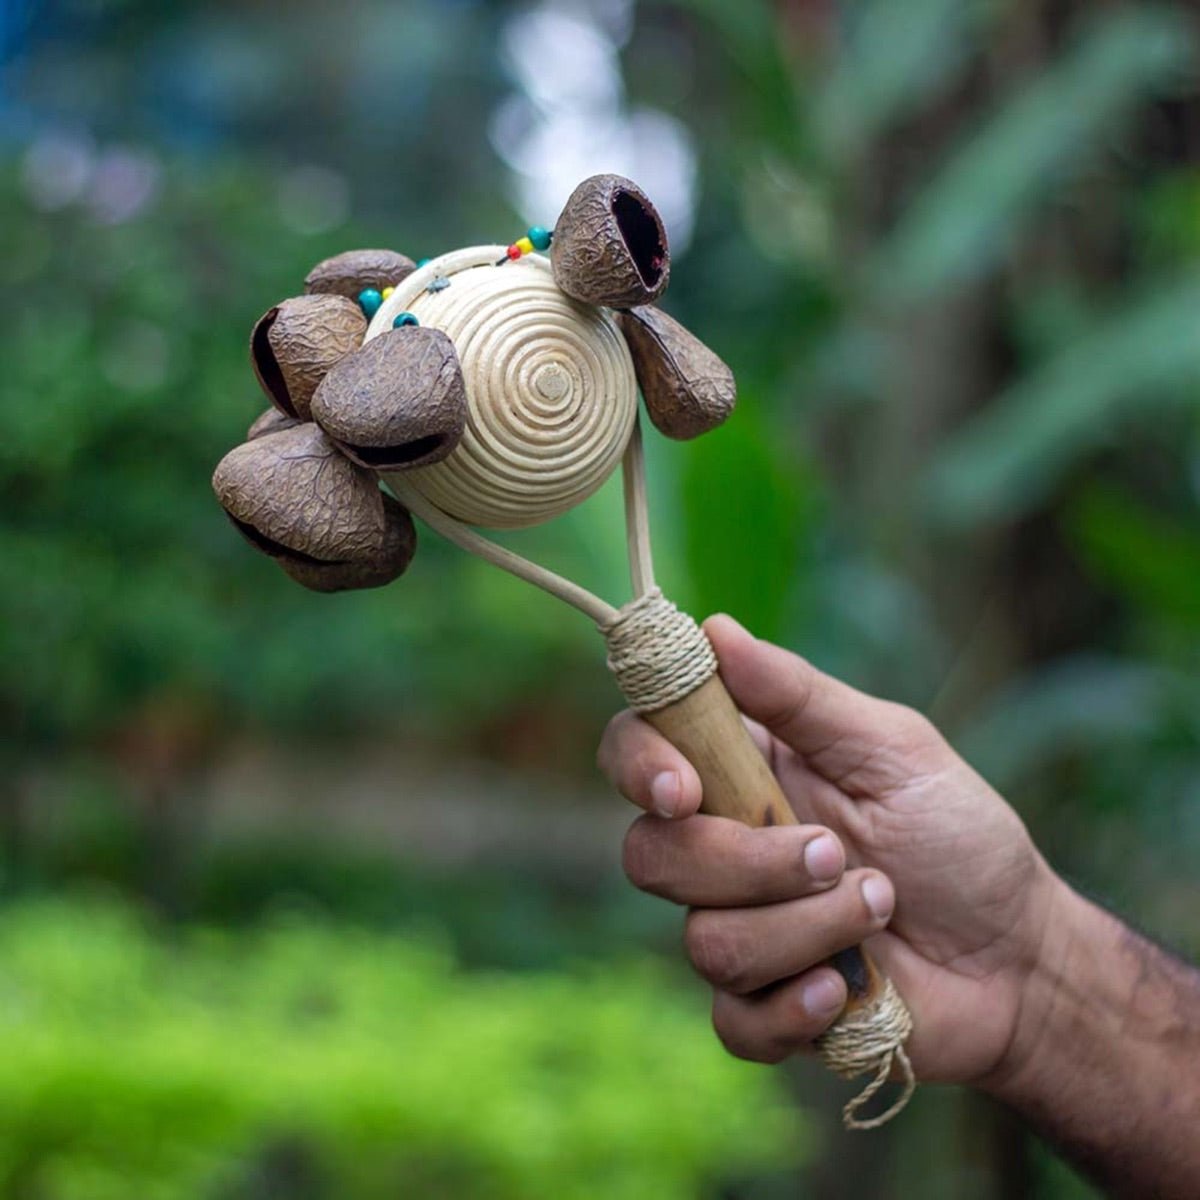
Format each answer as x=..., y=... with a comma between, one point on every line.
x=605, y=751
x=754, y=849
x=644, y=857
x=740, y=1043
x=914, y=730
x=716, y=948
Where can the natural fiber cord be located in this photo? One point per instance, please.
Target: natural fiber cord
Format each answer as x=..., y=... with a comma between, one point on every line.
x=871, y=1039
x=657, y=653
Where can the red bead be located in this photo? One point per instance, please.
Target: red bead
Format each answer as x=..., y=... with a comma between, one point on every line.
x=513, y=252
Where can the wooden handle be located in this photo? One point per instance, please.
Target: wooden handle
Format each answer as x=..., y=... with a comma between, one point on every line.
x=708, y=729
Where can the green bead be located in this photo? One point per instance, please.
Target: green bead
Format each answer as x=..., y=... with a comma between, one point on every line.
x=404, y=318
x=539, y=236
x=369, y=301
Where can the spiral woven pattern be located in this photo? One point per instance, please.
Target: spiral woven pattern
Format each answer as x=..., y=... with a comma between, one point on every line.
x=551, y=392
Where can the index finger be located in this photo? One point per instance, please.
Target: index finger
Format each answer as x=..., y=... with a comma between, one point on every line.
x=645, y=768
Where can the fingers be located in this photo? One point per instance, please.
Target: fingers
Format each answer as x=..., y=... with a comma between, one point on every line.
x=715, y=862
x=771, y=1025
x=645, y=768
x=816, y=715
x=740, y=950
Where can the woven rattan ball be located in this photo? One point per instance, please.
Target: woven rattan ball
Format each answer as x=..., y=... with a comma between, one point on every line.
x=550, y=386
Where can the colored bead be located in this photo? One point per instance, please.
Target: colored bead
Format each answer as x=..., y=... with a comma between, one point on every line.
x=387, y=291
x=539, y=236
x=369, y=301
x=513, y=252
x=524, y=245
x=422, y=261
x=404, y=318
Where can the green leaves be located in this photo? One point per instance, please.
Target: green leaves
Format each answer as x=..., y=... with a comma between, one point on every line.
x=895, y=57
x=1006, y=459
x=967, y=217
x=745, y=525
x=1152, y=559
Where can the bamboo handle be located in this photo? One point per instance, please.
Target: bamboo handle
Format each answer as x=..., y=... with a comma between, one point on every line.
x=706, y=727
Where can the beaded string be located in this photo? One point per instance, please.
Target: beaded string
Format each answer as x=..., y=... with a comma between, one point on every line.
x=537, y=237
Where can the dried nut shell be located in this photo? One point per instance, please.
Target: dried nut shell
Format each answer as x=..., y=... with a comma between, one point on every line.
x=688, y=390
x=396, y=403
x=400, y=543
x=609, y=245
x=271, y=421
x=293, y=496
x=296, y=342
x=356, y=270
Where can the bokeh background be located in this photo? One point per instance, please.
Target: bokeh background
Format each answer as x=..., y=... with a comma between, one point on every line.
x=317, y=896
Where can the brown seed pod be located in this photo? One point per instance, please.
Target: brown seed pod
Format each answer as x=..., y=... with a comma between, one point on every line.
x=271, y=421
x=688, y=390
x=296, y=342
x=396, y=403
x=609, y=245
x=294, y=497
x=399, y=545
x=356, y=270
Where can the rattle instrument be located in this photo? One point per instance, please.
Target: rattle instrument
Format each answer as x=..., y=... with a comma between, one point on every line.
x=496, y=387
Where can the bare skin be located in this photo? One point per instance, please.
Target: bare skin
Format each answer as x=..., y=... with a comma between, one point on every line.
x=1017, y=985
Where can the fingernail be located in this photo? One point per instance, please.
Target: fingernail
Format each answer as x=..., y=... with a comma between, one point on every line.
x=821, y=996
x=878, y=894
x=823, y=859
x=724, y=616
x=664, y=793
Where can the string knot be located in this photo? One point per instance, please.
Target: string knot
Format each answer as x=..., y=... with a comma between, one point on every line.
x=657, y=653
x=871, y=1039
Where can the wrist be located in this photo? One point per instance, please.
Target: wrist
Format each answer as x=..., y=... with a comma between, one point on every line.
x=1056, y=992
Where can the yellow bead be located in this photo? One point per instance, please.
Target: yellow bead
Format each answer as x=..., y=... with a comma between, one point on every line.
x=524, y=245
x=387, y=292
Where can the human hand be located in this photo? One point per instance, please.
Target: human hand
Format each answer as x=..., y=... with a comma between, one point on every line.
x=901, y=845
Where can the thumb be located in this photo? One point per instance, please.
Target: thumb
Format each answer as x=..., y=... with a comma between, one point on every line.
x=813, y=713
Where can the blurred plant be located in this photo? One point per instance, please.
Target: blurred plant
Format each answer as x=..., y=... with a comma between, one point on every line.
x=319, y=1059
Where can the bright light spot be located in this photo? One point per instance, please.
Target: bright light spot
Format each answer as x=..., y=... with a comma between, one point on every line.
x=569, y=120
x=580, y=70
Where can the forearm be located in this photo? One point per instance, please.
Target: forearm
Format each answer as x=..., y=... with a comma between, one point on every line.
x=1106, y=1059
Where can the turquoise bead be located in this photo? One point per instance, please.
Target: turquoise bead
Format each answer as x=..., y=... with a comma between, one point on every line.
x=539, y=236
x=404, y=318
x=369, y=301
x=422, y=261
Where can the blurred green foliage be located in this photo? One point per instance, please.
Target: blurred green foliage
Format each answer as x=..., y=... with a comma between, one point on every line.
x=951, y=251
x=355, y=1064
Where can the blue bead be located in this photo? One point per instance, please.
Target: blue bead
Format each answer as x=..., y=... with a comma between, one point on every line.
x=539, y=236
x=404, y=318
x=422, y=261
x=369, y=301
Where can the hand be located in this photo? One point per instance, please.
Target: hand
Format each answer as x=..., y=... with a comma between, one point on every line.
x=901, y=845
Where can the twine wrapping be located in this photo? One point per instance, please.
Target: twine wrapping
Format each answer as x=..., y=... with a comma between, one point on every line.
x=871, y=1039
x=659, y=655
